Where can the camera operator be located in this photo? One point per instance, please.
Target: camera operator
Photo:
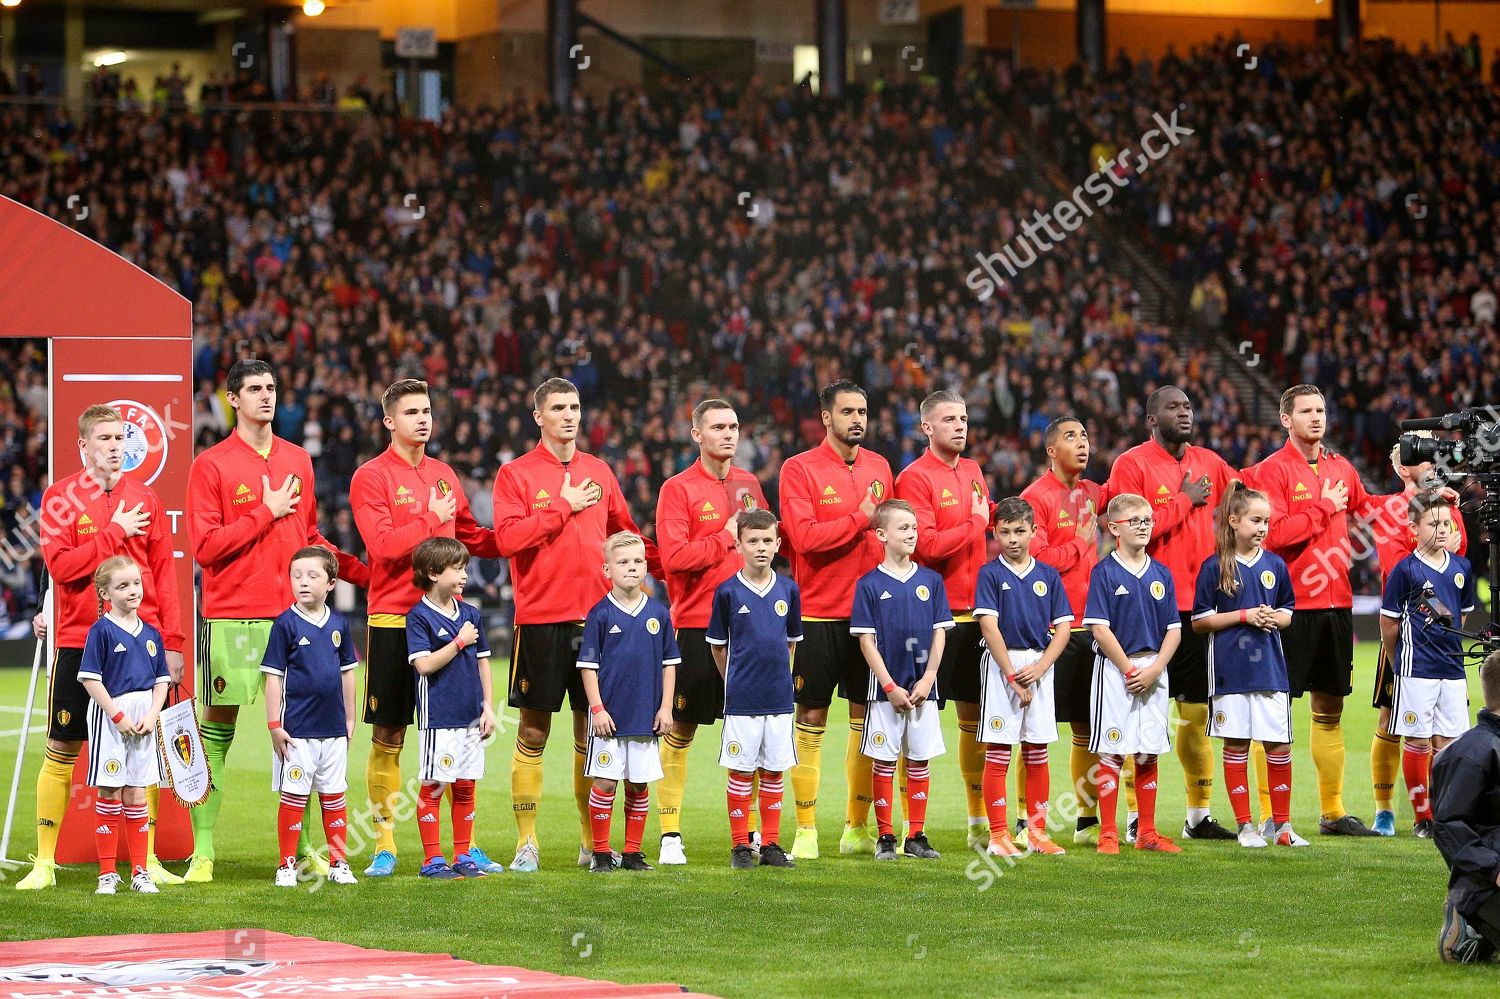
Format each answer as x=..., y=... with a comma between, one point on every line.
x=1466, y=813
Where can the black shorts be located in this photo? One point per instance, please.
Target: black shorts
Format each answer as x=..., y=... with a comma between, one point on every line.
x=544, y=667
x=1072, y=678
x=390, y=679
x=1319, y=648
x=958, y=673
x=1385, y=681
x=67, y=701
x=1187, y=673
x=699, y=699
x=828, y=659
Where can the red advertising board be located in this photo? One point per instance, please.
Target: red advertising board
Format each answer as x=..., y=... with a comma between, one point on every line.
x=251, y=963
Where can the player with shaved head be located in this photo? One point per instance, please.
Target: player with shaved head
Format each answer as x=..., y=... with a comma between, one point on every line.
x=1183, y=484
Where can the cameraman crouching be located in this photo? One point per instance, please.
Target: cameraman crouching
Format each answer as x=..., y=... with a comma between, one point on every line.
x=1466, y=815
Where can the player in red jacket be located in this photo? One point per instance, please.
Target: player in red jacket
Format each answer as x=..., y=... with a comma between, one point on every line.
x=951, y=500
x=554, y=507
x=401, y=498
x=94, y=514
x=251, y=507
x=697, y=517
x=1183, y=483
x=1313, y=492
x=1067, y=508
x=1391, y=535
x=828, y=499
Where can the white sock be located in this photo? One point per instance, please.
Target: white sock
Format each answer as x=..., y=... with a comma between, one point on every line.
x=1196, y=815
x=979, y=820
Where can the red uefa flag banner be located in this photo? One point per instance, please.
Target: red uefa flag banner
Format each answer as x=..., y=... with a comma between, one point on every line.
x=249, y=963
x=149, y=383
x=118, y=336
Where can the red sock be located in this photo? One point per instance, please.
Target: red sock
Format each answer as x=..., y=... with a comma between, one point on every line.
x=996, y=763
x=107, y=833
x=601, y=808
x=771, y=792
x=1038, y=784
x=637, y=799
x=335, y=824
x=883, y=776
x=918, y=783
x=739, y=807
x=1145, y=793
x=429, y=824
x=1415, y=764
x=1109, y=793
x=1279, y=774
x=289, y=827
x=137, y=825
x=463, y=816
x=1237, y=780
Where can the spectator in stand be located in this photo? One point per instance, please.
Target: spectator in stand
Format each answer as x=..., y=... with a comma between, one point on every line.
x=605, y=247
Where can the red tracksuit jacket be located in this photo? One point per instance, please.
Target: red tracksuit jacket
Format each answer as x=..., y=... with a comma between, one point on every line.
x=556, y=555
x=389, y=498
x=950, y=539
x=697, y=554
x=77, y=535
x=829, y=543
x=1059, y=510
x=245, y=554
x=1305, y=530
x=1183, y=536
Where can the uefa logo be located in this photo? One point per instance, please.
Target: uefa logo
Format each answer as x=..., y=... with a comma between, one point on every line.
x=145, y=440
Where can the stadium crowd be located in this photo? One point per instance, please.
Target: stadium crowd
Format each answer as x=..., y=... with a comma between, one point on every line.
x=1338, y=211
x=614, y=247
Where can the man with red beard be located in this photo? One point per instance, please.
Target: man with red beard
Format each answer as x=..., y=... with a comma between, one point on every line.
x=1313, y=491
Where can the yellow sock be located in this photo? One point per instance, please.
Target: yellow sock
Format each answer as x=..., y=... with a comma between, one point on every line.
x=1196, y=753
x=859, y=778
x=53, y=786
x=674, y=753
x=581, y=787
x=1127, y=777
x=1385, y=763
x=153, y=804
x=1327, y=742
x=383, y=783
x=1081, y=764
x=971, y=767
x=806, y=773
x=525, y=789
x=1262, y=779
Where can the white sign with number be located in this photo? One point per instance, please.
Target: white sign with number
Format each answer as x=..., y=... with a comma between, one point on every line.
x=899, y=11
x=416, y=43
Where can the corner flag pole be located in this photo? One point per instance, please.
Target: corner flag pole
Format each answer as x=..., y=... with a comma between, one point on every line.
x=15, y=780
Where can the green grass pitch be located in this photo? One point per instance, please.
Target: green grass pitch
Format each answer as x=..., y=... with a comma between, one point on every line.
x=1352, y=916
